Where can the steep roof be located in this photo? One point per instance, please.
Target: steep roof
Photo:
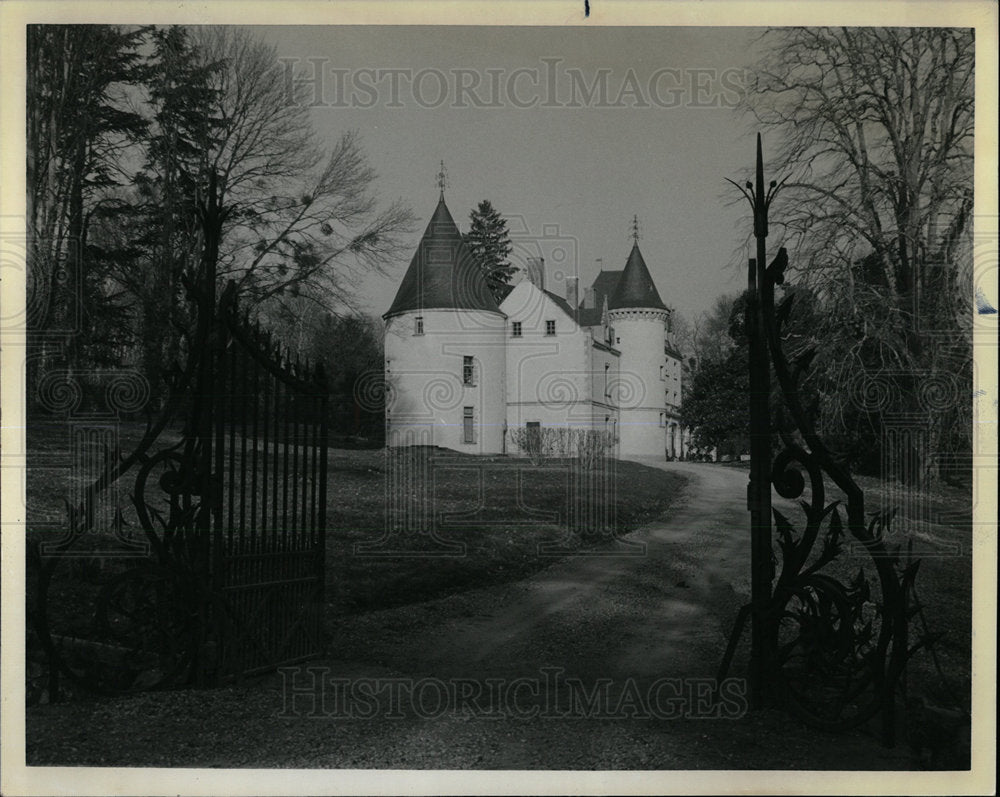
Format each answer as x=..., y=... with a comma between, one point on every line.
x=604, y=285
x=602, y=288
x=442, y=273
x=635, y=288
x=590, y=317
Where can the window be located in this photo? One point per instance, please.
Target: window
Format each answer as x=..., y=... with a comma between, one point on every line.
x=550, y=327
x=661, y=372
x=418, y=325
x=469, y=431
x=468, y=371
x=662, y=421
x=607, y=367
x=515, y=329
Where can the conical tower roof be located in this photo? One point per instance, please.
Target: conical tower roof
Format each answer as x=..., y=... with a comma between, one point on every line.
x=443, y=273
x=635, y=288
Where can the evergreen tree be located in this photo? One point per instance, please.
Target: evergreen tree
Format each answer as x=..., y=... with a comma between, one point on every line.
x=80, y=127
x=715, y=402
x=490, y=244
x=173, y=178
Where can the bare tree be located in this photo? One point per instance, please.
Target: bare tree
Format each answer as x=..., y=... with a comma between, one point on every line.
x=709, y=336
x=304, y=221
x=875, y=138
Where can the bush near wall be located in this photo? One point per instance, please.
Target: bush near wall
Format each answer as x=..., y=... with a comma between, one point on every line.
x=587, y=446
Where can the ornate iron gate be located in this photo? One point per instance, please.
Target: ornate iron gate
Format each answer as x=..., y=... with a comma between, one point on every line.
x=219, y=571
x=828, y=645
x=268, y=550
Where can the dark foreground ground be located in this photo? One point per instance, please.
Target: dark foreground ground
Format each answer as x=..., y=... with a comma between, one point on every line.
x=557, y=669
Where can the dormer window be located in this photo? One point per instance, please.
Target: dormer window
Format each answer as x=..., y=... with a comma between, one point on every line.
x=515, y=329
x=550, y=327
x=418, y=325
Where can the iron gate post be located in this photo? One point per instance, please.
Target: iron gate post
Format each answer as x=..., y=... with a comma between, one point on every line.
x=207, y=521
x=759, y=487
x=842, y=647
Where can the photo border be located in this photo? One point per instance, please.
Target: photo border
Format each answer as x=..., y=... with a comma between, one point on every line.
x=21, y=780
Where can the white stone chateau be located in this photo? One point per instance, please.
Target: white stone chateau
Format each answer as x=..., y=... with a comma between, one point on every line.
x=461, y=369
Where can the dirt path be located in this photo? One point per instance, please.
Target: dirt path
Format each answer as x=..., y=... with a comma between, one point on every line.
x=645, y=613
x=630, y=625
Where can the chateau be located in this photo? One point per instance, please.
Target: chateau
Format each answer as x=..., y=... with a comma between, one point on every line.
x=462, y=369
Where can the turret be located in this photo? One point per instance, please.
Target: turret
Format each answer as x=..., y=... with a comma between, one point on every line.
x=444, y=348
x=639, y=318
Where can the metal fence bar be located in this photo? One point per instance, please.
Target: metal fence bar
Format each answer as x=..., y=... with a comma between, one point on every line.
x=275, y=564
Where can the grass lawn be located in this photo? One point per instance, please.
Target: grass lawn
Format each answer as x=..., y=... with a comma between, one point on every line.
x=406, y=526
x=414, y=525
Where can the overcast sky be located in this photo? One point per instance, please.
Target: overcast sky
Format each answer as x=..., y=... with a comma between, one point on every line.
x=656, y=138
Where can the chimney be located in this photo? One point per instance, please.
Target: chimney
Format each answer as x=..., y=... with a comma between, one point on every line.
x=588, y=298
x=573, y=291
x=535, y=268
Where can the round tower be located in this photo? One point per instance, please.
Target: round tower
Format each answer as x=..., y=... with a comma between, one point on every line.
x=444, y=349
x=639, y=319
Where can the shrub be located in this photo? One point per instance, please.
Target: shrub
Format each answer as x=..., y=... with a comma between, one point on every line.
x=586, y=446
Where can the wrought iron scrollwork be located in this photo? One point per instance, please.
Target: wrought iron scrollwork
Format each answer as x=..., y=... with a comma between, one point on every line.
x=136, y=628
x=830, y=644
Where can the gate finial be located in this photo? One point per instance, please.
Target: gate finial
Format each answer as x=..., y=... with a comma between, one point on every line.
x=760, y=209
